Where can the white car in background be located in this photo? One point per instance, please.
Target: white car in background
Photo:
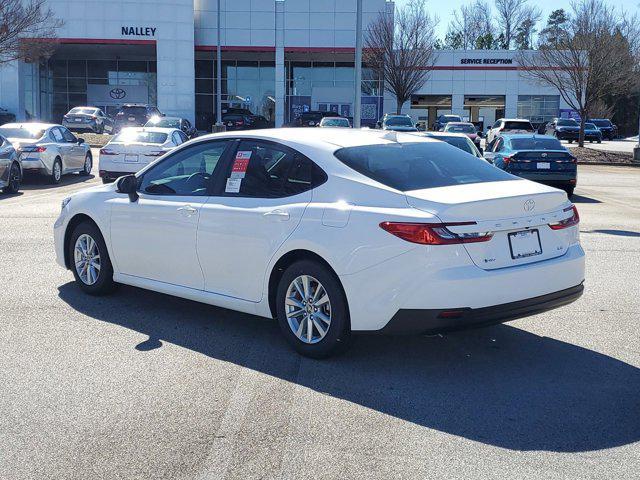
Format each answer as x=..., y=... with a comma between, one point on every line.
x=508, y=125
x=134, y=148
x=48, y=149
x=331, y=231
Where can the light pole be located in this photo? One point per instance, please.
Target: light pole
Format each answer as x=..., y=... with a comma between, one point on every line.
x=357, y=104
x=219, y=76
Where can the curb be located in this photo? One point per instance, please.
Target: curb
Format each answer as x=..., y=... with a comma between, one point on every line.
x=612, y=164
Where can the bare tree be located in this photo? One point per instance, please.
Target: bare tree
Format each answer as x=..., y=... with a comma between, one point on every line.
x=514, y=16
x=591, y=61
x=26, y=29
x=401, y=52
x=471, y=27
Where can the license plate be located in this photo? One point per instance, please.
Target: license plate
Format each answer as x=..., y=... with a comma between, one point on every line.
x=77, y=120
x=525, y=243
x=131, y=158
x=312, y=123
x=132, y=119
x=544, y=165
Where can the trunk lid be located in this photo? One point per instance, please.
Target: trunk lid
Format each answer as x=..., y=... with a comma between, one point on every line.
x=542, y=160
x=137, y=153
x=504, y=209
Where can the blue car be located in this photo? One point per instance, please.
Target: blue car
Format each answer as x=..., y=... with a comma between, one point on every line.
x=592, y=133
x=540, y=158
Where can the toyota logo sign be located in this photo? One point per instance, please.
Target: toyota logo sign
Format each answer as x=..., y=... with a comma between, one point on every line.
x=117, y=94
x=529, y=205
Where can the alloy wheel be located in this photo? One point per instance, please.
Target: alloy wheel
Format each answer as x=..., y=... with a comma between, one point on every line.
x=308, y=309
x=88, y=164
x=14, y=178
x=57, y=171
x=87, y=259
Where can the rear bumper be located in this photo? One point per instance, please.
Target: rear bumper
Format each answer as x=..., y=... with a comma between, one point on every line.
x=109, y=175
x=407, y=322
x=80, y=126
x=551, y=178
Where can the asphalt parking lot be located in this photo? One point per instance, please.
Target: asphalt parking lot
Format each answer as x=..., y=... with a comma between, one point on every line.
x=142, y=385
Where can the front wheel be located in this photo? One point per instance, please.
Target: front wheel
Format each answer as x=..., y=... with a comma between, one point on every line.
x=88, y=165
x=312, y=310
x=89, y=260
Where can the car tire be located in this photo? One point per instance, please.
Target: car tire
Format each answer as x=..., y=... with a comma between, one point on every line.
x=88, y=165
x=92, y=270
x=331, y=305
x=599, y=141
x=14, y=179
x=56, y=172
x=569, y=191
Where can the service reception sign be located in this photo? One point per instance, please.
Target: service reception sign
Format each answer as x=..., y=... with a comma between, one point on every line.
x=116, y=94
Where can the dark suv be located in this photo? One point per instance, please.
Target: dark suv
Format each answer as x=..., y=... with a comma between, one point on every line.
x=134, y=115
x=238, y=121
x=313, y=118
x=563, y=129
x=608, y=129
x=442, y=121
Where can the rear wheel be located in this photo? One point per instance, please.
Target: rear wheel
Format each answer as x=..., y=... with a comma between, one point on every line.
x=569, y=191
x=90, y=260
x=312, y=310
x=15, y=177
x=56, y=172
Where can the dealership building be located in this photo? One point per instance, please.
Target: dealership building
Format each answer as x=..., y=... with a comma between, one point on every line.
x=279, y=59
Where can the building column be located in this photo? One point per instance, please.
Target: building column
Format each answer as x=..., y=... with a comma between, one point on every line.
x=280, y=67
x=511, y=105
x=176, y=77
x=457, y=104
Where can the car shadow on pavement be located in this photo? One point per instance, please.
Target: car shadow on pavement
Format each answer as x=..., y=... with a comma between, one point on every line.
x=618, y=233
x=501, y=386
x=582, y=199
x=40, y=182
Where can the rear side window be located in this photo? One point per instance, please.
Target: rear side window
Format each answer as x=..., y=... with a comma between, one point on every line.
x=414, y=166
x=463, y=144
x=267, y=170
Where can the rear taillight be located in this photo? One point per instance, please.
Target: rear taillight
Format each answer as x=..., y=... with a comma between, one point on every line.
x=434, y=233
x=507, y=159
x=239, y=122
x=567, y=222
x=106, y=151
x=34, y=149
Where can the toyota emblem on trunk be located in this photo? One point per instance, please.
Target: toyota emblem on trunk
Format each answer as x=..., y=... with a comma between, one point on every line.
x=117, y=93
x=529, y=205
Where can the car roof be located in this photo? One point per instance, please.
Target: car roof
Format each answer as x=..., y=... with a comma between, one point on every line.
x=461, y=123
x=164, y=118
x=514, y=120
x=525, y=135
x=84, y=106
x=31, y=125
x=150, y=129
x=327, y=139
x=445, y=134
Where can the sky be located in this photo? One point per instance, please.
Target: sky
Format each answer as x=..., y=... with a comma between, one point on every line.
x=445, y=10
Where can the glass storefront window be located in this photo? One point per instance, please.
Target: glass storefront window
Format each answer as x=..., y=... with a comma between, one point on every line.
x=538, y=108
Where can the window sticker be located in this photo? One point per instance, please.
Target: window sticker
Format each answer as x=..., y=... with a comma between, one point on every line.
x=233, y=185
x=240, y=164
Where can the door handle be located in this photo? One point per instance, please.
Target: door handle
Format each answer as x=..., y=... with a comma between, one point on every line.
x=187, y=210
x=277, y=215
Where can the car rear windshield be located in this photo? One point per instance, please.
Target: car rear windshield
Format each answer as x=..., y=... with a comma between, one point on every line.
x=518, y=126
x=83, y=111
x=165, y=123
x=462, y=143
x=590, y=126
x=17, y=132
x=567, y=122
x=311, y=116
x=133, y=110
x=451, y=118
x=399, y=121
x=414, y=166
x=602, y=123
x=335, y=122
x=141, y=137
x=536, y=144
x=460, y=128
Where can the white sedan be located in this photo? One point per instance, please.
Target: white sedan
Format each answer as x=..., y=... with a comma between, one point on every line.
x=134, y=148
x=331, y=232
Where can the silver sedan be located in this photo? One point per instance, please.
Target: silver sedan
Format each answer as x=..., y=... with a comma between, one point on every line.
x=10, y=169
x=48, y=149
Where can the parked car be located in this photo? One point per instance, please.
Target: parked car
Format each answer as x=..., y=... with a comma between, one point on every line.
x=135, y=115
x=608, y=129
x=88, y=118
x=173, y=122
x=509, y=125
x=312, y=118
x=10, y=167
x=592, y=133
x=459, y=140
x=442, y=120
x=468, y=128
x=237, y=121
x=48, y=149
x=563, y=129
x=539, y=158
x=339, y=122
x=291, y=224
x=6, y=116
x=397, y=123
x=134, y=148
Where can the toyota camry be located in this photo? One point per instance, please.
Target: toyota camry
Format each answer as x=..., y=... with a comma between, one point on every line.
x=331, y=232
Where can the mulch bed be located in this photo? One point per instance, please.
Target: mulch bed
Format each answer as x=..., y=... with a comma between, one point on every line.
x=589, y=155
x=93, y=139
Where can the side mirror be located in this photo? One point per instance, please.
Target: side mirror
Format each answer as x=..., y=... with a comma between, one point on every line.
x=129, y=185
x=80, y=140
